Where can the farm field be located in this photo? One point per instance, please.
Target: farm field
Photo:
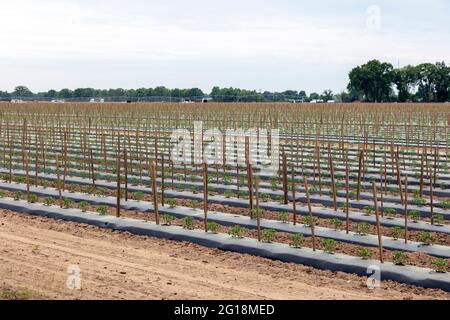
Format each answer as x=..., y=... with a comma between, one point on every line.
x=355, y=190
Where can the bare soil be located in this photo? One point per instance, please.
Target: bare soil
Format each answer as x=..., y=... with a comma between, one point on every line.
x=35, y=253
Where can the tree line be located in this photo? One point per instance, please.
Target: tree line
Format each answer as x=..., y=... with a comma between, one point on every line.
x=374, y=81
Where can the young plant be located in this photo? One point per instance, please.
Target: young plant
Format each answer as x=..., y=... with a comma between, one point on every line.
x=337, y=224
x=284, y=217
x=415, y=215
x=400, y=258
x=396, y=232
x=48, y=201
x=296, y=240
x=308, y=221
x=193, y=204
x=102, y=210
x=445, y=204
x=362, y=228
x=269, y=235
x=228, y=193
x=440, y=265
x=32, y=198
x=83, y=205
x=138, y=196
x=212, y=226
x=255, y=212
x=17, y=195
x=329, y=245
x=172, y=203
x=389, y=212
x=368, y=210
x=438, y=218
x=67, y=203
x=365, y=253
x=168, y=219
x=188, y=223
x=235, y=231
x=426, y=238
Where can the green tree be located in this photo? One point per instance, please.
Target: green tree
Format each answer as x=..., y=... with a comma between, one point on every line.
x=327, y=95
x=22, y=92
x=405, y=80
x=65, y=94
x=374, y=79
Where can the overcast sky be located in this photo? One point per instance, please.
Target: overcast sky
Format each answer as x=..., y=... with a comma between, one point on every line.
x=253, y=44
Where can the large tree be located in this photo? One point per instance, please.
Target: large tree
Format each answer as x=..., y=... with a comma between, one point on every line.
x=405, y=80
x=22, y=92
x=374, y=79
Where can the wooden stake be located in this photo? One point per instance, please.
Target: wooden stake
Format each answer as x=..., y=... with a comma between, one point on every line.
x=380, y=243
x=205, y=195
x=406, y=209
x=258, y=213
x=155, y=191
x=305, y=181
x=58, y=182
x=118, y=177
x=125, y=168
x=347, y=200
x=285, y=179
x=92, y=167
x=358, y=188
x=294, y=198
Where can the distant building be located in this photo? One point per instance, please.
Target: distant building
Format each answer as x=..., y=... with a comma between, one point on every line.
x=94, y=100
x=16, y=101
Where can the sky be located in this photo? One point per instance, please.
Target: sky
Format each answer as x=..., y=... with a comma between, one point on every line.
x=272, y=45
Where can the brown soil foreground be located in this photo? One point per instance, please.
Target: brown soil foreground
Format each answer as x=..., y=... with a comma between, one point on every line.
x=36, y=252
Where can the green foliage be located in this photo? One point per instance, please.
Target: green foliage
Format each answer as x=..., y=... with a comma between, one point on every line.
x=254, y=213
x=269, y=235
x=426, y=238
x=193, y=204
x=390, y=211
x=364, y=253
x=138, y=196
x=329, y=245
x=235, y=231
x=102, y=210
x=362, y=228
x=297, y=240
x=309, y=221
x=438, y=218
x=396, y=232
x=83, y=205
x=188, y=223
x=32, y=198
x=228, y=193
x=284, y=217
x=48, y=201
x=337, y=224
x=414, y=215
x=168, y=219
x=212, y=226
x=400, y=258
x=368, y=210
x=440, y=265
x=171, y=202
x=17, y=195
x=67, y=203
x=445, y=204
